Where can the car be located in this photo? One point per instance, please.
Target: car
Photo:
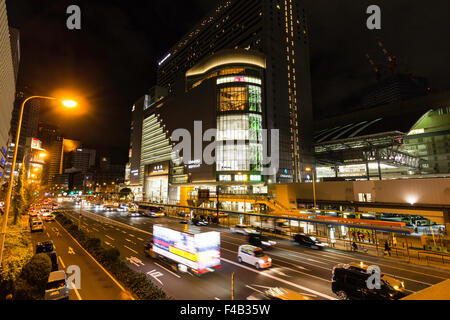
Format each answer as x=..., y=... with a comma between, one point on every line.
x=278, y=293
x=49, y=217
x=57, y=288
x=309, y=241
x=349, y=282
x=259, y=240
x=199, y=221
x=242, y=229
x=33, y=214
x=48, y=248
x=36, y=225
x=44, y=247
x=254, y=256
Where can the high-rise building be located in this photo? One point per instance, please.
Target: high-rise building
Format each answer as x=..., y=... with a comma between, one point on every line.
x=29, y=126
x=81, y=159
x=7, y=86
x=15, y=49
x=277, y=29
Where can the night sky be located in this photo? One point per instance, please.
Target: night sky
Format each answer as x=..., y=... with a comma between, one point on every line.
x=111, y=61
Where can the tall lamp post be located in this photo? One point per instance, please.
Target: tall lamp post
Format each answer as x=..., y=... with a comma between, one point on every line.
x=68, y=104
x=308, y=169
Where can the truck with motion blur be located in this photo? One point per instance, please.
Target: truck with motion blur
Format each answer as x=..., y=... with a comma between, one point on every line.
x=187, y=247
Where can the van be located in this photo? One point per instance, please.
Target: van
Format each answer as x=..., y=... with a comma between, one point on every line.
x=36, y=225
x=57, y=288
x=254, y=256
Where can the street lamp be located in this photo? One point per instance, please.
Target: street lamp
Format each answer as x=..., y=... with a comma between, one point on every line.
x=67, y=103
x=308, y=169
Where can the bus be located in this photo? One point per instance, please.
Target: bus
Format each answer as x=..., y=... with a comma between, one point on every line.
x=150, y=211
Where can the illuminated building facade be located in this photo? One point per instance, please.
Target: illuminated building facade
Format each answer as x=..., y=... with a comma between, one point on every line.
x=278, y=29
x=224, y=92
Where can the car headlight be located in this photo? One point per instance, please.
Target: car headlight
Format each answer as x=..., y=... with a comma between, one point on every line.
x=396, y=287
x=270, y=259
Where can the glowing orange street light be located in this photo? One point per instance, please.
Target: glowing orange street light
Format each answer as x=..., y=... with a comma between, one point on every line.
x=42, y=155
x=69, y=103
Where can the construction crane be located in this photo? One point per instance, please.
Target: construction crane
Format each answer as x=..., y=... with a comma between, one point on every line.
x=391, y=59
x=376, y=69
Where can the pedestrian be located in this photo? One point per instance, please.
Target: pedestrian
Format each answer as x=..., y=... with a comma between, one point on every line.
x=387, y=249
x=353, y=235
x=368, y=236
x=354, y=246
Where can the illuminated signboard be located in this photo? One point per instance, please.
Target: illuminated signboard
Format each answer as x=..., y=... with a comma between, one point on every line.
x=158, y=169
x=35, y=143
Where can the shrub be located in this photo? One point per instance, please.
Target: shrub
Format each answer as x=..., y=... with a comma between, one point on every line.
x=136, y=282
x=34, y=276
x=36, y=271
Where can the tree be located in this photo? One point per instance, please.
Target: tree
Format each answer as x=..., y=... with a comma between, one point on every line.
x=18, y=199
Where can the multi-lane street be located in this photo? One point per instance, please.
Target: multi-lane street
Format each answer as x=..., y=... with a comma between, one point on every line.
x=301, y=269
x=95, y=282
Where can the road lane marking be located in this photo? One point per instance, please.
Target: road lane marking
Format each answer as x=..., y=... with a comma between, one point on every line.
x=140, y=239
x=109, y=237
x=109, y=244
x=76, y=291
x=136, y=261
x=71, y=251
x=281, y=280
x=62, y=262
x=95, y=229
x=131, y=249
x=131, y=235
x=48, y=235
x=130, y=241
x=155, y=274
x=112, y=278
x=254, y=289
x=168, y=270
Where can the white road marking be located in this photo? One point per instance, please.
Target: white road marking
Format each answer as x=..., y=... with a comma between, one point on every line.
x=48, y=235
x=140, y=239
x=168, y=270
x=109, y=237
x=131, y=249
x=95, y=229
x=155, y=275
x=71, y=251
x=136, y=261
x=281, y=280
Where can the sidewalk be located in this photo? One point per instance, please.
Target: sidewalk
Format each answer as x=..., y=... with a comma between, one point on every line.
x=410, y=255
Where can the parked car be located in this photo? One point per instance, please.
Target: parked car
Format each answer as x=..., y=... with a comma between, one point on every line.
x=349, y=282
x=254, y=256
x=242, y=229
x=48, y=248
x=259, y=240
x=57, y=288
x=36, y=224
x=309, y=241
x=278, y=293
